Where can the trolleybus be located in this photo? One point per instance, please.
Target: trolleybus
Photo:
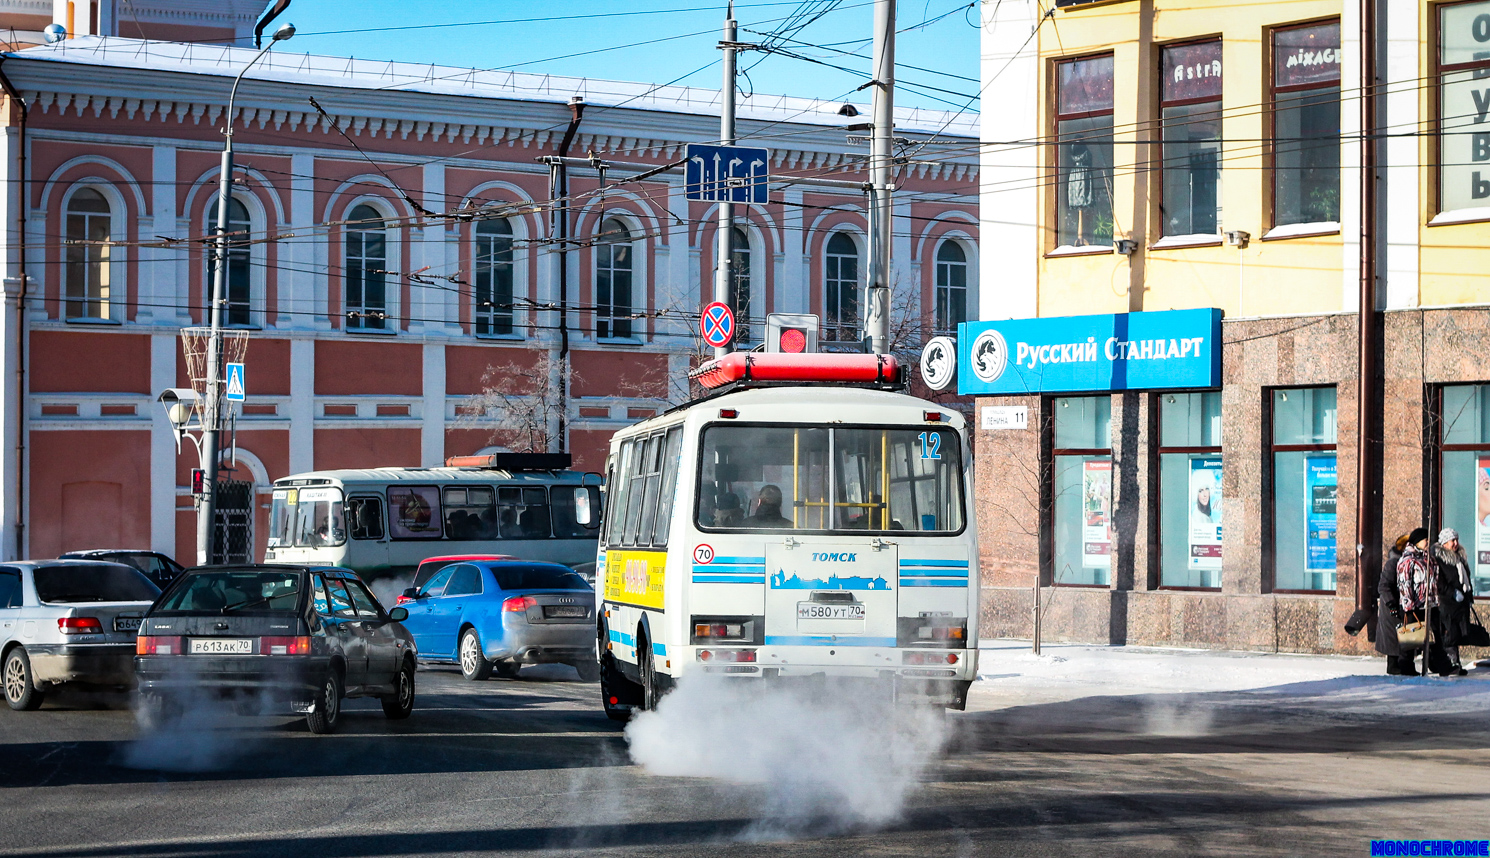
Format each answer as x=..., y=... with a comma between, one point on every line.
x=384, y=521
x=807, y=519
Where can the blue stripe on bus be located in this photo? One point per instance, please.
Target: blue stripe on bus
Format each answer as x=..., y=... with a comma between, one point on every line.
x=737, y=569
x=746, y=561
x=932, y=573
x=826, y=640
x=659, y=649
x=621, y=638
x=729, y=579
x=937, y=563
x=927, y=582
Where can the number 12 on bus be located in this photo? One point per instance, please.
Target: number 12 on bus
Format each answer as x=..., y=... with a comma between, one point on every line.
x=766, y=534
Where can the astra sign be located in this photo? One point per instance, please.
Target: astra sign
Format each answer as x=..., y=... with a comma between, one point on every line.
x=1071, y=354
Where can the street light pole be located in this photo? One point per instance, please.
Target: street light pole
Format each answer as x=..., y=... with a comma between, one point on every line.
x=724, y=253
x=212, y=407
x=877, y=294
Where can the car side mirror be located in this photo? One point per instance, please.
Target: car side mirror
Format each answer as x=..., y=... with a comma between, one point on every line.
x=398, y=615
x=411, y=593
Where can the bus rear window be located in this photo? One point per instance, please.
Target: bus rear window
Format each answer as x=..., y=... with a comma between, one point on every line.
x=831, y=479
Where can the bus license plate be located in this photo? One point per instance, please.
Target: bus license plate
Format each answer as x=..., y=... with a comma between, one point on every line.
x=221, y=646
x=818, y=611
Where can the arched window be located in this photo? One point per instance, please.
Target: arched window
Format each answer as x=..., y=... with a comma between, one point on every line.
x=88, y=290
x=740, y=287
x=494, y=277
x=613, y=275
x=951, y=287
x=367, y=265
x=841, y=280
x=239, y=307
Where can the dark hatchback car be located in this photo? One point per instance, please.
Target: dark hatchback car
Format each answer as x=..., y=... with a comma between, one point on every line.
x=156, y=566
x=285, y=638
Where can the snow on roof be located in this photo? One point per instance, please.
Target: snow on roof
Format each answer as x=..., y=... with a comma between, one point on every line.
x=348, y=72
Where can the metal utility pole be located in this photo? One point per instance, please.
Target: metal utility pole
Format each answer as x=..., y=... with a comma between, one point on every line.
x=877, y=293
x=558, y=235
x=1368, y=394
x=724, y=267
x=212, y=408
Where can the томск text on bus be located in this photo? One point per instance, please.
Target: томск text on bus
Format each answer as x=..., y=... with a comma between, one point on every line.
x=806, y=519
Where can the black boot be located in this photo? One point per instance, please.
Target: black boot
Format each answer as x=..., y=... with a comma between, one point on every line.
x=1404, y=664
x=1393, y=668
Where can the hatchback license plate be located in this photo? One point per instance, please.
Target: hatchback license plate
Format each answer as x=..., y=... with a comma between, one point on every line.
x=564, y=611
x=221, y=646
x=126, y=624
x=820, y=611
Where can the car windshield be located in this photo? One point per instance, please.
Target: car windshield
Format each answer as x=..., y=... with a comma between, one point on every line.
x=229, y=591
x=104, y=582
x=538, y=578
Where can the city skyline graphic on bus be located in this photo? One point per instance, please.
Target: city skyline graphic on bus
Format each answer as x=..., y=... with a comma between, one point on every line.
x=779, y=581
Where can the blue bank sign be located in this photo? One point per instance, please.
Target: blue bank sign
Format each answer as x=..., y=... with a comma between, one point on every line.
x=1123, y=351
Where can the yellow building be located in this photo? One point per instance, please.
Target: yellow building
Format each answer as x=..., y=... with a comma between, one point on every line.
x=1144, y=156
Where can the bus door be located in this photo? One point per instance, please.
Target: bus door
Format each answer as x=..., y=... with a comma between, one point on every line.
x=367, y=545
x=833, y=593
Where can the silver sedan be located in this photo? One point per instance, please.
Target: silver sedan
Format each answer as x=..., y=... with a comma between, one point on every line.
x=68, y=621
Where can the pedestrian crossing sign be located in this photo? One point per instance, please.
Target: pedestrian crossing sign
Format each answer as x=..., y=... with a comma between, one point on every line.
x=236, y=386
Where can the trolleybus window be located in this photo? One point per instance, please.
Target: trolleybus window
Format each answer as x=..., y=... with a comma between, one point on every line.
x=524, y=512
x=306, y=518
x=830, y=479
x=365, y=518
x=471, y=513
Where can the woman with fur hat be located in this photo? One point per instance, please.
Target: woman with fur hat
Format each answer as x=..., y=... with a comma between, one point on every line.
x=1455, y=595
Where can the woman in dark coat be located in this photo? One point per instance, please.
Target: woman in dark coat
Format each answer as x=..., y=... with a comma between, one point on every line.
x=1389, y=613
x=1455, y=595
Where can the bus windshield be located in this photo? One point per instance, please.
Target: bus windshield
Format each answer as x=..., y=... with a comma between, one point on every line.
x=306, y=518
x=826, y=479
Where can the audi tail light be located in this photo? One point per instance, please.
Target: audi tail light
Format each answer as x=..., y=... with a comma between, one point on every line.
x=519, y=604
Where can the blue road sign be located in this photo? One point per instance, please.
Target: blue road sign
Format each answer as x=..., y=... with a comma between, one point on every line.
x=236, y=387
x=718, y=324
x=726, y=174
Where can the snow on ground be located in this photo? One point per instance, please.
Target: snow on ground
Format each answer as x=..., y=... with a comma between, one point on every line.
x=1010, y=674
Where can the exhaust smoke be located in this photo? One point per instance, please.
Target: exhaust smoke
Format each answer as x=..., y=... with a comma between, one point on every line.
x=830, y=756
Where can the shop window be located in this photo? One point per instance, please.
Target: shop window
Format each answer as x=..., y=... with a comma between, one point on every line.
x=1304, y=487
x=88, y=290
x=841, y=287
x=1083, y=490
x=494, y=314
x=238, y=311
x=1083, y=127
x=951, y=287
x=1463, y=103
x=367, y=270
x=1306, y=124
x=1464, y=473
x=1190, y=490
x=613, y=281
x=1191, y=115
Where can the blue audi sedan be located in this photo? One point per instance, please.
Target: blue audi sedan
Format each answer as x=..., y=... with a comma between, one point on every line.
x=502, y=614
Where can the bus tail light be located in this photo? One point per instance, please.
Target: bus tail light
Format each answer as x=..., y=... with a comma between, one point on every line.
x=157, y=645
x=518, y=604
x=929, y=658
x=932, y=631
x=285, y=646
x=727, y=656
x=727, y=630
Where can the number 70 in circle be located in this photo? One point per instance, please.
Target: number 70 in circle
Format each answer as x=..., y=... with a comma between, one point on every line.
x=931, y=445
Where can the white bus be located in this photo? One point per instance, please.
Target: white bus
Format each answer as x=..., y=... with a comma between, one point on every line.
x=384, y=521
x=790, y=530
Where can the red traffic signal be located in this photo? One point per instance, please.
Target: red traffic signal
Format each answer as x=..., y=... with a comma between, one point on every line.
x=198, y=481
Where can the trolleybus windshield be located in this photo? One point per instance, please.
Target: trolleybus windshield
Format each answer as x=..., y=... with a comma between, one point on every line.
x=827, y=479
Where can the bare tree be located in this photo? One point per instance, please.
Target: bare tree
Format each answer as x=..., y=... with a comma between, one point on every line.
x=517, y=404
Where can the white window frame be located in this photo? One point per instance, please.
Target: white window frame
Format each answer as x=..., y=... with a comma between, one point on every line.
x=829, y=311
x=516, y=267
x=258, y=259
x=393, y=285
x=639, y=328
x=936, y=281
x=113, y=310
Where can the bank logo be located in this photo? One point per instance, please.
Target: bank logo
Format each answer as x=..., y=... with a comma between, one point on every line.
x=939, y=363
x=990, y=356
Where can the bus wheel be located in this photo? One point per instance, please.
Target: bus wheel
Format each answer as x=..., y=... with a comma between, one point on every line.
x=651, y=691
x=616, y=692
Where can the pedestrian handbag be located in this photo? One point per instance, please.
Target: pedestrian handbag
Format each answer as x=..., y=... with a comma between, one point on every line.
x=1477, y=635
x=1412, y=632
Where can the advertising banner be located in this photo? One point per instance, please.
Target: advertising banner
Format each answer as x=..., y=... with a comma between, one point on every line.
x=414, y=512
x=1096, y=512
x=1319, y=514
x=1122, y=351
x=1481, y=513
x=1205, y=513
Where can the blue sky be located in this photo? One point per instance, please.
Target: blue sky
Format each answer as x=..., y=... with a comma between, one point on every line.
x=654, y=41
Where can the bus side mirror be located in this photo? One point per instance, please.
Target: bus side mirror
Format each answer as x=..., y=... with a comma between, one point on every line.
x=584, y=511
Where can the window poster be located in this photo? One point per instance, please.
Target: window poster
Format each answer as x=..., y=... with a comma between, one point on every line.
x=1205, y=513
x=1481, y=513
x=414, y=512
x=1319, y=514
x=1096, y=514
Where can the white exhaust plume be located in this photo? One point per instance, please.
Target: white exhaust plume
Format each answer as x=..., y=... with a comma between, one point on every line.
x=831, y=756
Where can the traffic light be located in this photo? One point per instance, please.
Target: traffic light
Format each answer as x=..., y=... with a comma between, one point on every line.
x=198, y=481
x=791, y=333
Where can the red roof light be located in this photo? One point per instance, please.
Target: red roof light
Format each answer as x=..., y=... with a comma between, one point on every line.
x=769, y=366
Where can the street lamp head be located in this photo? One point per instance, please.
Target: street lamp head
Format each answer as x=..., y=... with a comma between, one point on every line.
x=284, y=32
x=178, y=402
x=54, y=33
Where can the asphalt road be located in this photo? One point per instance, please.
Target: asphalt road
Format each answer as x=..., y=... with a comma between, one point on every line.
x=532, y=766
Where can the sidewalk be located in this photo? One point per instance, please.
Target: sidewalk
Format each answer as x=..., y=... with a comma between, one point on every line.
x=1009, y=674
